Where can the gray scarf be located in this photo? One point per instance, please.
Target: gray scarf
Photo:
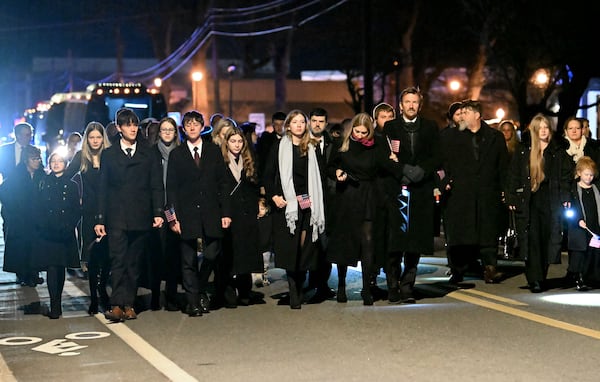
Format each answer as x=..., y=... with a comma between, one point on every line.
x=164, y=153
x=315, y=189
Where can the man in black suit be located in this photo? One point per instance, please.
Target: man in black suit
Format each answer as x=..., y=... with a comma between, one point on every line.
x=318, y=278
x=10, y=157
x=10, y=153
x=197, y=192
x=268, y=138
x=129, y=206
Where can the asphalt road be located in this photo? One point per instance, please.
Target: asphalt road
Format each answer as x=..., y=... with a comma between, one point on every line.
x=482, y=333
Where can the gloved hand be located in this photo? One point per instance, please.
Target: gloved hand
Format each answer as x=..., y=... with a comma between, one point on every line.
x=413, y=173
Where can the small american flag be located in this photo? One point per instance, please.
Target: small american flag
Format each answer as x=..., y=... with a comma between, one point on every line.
x=595, y=241
x=304, y=201
x=395, y=145
x=170, y=214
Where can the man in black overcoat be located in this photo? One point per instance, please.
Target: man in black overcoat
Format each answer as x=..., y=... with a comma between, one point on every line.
x=475, y=165
x=197, y=191
x=415, y=141
x=130, y=201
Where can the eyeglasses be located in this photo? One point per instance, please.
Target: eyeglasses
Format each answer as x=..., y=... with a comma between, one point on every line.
x=36, y=159
x=167, y=130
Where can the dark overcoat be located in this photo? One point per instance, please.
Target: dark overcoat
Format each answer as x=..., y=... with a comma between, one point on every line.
x=241, y=247
x=17, y=195
x=131, y=190
x=419, y=146
x=558, y=172
x=57, y=212
x=200, y=195
x=474, y=210
x=355, y=201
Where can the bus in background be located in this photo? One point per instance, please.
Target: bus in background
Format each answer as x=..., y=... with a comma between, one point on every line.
x=70, y=112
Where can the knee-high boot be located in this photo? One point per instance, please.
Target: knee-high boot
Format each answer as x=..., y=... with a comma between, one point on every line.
x=56, y=281
x=409, y=276
x=295, y=282
x=93, y=283
x=342, y=270
x=366, y=290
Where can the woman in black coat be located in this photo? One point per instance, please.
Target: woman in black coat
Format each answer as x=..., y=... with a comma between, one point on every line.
x=241, y=254
x=354, y=165
x=538, y=189
x=293, y=183
x=85, y=167
x=58, y=211
x=16, y=194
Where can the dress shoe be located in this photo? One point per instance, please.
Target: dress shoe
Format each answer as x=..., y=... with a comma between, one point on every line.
x=204, y=303
x=378, y=293
x=130, y=313
x=580, y=284
x=394, y=296
x=171, y=306
x=321, y=296
x=115, y=314
x=367, y=297
x=284, y=300
x=53, y=315
x=409, y=300
x=536, y=287
x=93, y=309
x=193, y=311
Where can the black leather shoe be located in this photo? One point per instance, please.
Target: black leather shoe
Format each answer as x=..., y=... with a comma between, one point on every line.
x=170, y=306
x=193, y=311
x=93, y=309
x=321, y=296
x=535, y=287
x=580, y=285
x=394, y=296
x=204, y=303
x=367, y=297
x=284, y=300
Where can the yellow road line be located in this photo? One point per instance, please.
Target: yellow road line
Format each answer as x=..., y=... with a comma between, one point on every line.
x=167, y=367
x=494, y=297
x=460, y=295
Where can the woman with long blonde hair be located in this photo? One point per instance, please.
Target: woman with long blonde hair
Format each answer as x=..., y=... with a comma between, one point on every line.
x=94, y=255
x=538, y=189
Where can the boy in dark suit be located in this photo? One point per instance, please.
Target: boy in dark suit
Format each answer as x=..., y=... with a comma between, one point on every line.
x=129, y=205
x=197, y=191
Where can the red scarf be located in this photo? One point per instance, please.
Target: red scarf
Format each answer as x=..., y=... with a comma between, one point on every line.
x=364, y=141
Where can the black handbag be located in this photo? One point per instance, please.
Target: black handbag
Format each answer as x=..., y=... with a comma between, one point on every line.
x=511, y=239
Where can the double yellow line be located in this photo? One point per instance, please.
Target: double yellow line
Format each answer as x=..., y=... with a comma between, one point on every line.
x=468, y=295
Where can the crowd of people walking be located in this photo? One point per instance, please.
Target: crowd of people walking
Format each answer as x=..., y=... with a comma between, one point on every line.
x=181, y=204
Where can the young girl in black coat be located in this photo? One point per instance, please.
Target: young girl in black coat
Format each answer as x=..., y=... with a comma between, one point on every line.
x=58, y=212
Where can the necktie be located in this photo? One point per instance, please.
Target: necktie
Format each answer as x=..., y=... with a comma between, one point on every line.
x=128, y=152
x=196, y=157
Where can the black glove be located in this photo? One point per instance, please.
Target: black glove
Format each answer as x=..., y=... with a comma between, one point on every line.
x=413, y=173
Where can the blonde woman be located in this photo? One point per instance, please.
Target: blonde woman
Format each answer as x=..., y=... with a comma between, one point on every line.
x=538, y=189
x=94, y=255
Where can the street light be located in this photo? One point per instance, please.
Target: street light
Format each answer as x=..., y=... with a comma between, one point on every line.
x=231, y=69
x=196, y=78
